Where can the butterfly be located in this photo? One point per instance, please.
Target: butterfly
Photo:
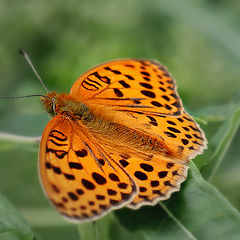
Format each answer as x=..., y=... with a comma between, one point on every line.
x=120, y=138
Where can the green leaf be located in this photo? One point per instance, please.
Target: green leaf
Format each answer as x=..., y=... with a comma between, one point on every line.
x=106, y=228
x=95, y=230
x=198, y=211
x=12, y=225
x=225, y=135
x=223, y=123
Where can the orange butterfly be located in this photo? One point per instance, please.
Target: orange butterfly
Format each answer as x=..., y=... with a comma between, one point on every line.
x=120, y=138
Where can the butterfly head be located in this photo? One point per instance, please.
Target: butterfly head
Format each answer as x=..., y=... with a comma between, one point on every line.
x=49, y=102
x=63, y=104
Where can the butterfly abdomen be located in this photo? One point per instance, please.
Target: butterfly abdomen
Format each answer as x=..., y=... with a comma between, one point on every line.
x=120, y=136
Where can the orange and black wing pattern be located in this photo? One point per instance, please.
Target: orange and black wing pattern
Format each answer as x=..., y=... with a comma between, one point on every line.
x=131, y=150
x=129, y=85
x=79, y=180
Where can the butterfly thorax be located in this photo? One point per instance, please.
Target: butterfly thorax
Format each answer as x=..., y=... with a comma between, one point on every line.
x=99, y=124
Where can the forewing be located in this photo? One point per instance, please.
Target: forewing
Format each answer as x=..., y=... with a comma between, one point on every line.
x=141, y=94
x=129, y=85
x=80, y=181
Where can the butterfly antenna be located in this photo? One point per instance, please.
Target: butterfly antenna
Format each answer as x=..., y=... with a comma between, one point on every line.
x=27, y=96
x=33, y=68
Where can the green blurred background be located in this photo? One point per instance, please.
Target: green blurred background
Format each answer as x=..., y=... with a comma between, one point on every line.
x=199, y=42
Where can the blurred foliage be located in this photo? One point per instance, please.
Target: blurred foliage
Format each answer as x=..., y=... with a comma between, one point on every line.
x=197, y=40
x=12, y=225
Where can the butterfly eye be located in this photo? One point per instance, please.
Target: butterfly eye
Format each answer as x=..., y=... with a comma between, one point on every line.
x=54, y=106
x=50, y=110
x=51, y=107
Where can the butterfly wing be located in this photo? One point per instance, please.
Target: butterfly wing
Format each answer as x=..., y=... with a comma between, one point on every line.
x=129, y=85
x=157, y=170
x=180, y=135
x=79, y=179
x=156, y=179
x=141, y=95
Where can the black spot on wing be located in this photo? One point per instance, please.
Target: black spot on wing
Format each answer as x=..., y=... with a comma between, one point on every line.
x=73, y=196
x=122, y=185
x=156, y=104
x=117, y=92
x=145, y=73
x=170, y=165
x=100, y=197
x=154, y=183
x=75, y=165
x=69, y=176
x=124, y=163
x=57, y=170
x=146, y=167
x=87, y=184
x=114, y=177
x=129, y=77
x=146, y=85
x=111, y=192
x=162, y=174
x=124, y=84
x=80, y=191
x=59, y=153
x=81, y=153
x=148, y=93
x=185, y=141
x=140, y=175
x=99, y=178
x=48, y=165
x=113, y=71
